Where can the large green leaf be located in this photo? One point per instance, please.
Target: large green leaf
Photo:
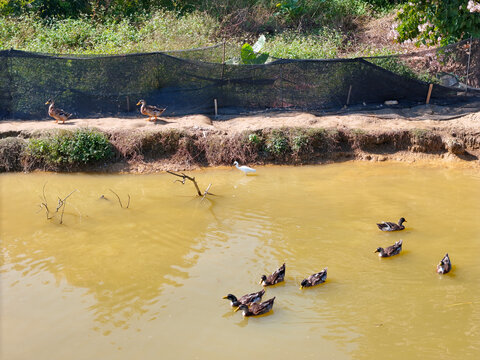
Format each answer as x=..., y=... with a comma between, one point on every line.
x=247, y=54
x=259, y=44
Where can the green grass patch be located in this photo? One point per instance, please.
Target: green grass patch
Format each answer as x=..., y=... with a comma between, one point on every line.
x=294, y=45
x=155, y=32
x=82, y=146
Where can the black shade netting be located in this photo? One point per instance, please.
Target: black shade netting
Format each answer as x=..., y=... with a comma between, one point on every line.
x=187, y=82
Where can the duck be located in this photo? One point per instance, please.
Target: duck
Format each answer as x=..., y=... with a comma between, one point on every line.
x=246, y=170
x=444, y=266
x=391, y=250
x=245, y=299
x=315, y=279
x=275, y=278
x=150, y=110
x=256, y=309
x=57, y=114
x=391, y=226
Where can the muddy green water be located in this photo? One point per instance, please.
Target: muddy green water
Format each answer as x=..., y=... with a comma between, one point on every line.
x=147, y=282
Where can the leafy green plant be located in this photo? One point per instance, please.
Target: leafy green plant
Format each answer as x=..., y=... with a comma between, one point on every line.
x=433, y=22
x=254, y=139
x=291, y=9
x=78, y=147
x=277, y=143
x=251, y=55
x=299, y=142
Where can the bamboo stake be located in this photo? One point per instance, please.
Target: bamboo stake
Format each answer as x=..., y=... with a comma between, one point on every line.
x=468, y=63
x=430, y=87
x=216, y=107
x=349, y=92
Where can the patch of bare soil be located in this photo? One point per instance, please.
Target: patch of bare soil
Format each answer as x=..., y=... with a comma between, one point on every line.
x=378, y=34
x=233, y=124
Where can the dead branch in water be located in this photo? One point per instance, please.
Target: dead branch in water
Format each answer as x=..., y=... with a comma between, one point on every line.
x=119, y=200
x=206, y=192
x=61, y=204
x=44, y=204
x=192, y=179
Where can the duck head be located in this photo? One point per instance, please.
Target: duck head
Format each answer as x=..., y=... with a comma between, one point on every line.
x=379, y=250
x=401, y=221
x=233, y=299
x=141, y=102
x=49, y=101
x=230, y=297
x=263, y=278
x=304, y=283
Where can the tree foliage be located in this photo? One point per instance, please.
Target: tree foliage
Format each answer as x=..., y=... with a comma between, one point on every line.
x=437, y=21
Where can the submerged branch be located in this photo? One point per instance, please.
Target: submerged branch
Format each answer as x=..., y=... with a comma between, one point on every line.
x=120, y=201
x=44, y=204
x=192, y=179
x=61, y=202
x=206, y=192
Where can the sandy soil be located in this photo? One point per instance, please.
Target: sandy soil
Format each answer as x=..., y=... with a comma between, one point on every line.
x=372, y=122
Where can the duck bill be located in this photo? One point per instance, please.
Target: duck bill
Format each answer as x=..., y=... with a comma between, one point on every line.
x=236, y=309
x=138, y=103
x=225, y=297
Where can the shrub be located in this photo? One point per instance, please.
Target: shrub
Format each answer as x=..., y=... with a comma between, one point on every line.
x=277, y=143
x=71, y=148
x=299, y=142
x=11, y=153
x=432, y=22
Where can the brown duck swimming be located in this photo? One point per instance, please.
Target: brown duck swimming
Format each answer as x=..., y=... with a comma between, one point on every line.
x=275, y=278
x=391, y=250
x=315, y=279
x=245, y=299
x=444, y=266
x=57, y=114
x=256, y=309
x=150, y=110
x=390, y=226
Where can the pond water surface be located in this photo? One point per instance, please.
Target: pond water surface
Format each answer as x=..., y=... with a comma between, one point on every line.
x=147, y=282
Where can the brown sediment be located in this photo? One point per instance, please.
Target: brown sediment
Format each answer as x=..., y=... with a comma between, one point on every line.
x=195, y=141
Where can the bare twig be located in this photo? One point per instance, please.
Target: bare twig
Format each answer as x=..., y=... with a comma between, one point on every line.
x=120, y=201
x=45, y=203
x=192, y=179
x=63, y=210
x=206, y=192
x=61, y=202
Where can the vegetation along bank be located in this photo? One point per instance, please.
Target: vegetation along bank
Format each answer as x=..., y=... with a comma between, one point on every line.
x=136, y=145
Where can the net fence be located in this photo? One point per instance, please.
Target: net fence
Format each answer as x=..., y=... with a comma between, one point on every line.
x=188, y=81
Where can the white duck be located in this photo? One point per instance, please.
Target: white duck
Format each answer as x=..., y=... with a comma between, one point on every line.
x=246, y=170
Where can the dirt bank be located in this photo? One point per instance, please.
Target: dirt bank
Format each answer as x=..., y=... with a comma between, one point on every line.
x=283, y=138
